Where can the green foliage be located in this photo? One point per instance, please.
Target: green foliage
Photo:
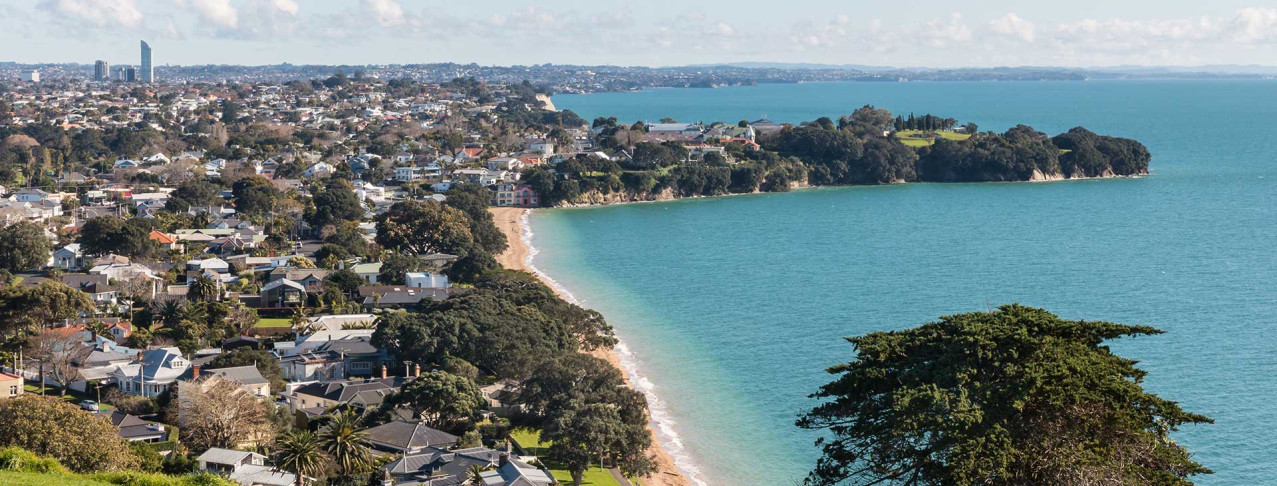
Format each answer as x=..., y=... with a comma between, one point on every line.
x=420, y=228
x=254, y=196
x=474, y=199
x=444, y=401
x=23, y=247
x=54, y=428
x=24, y=308
x=300, y=453
x=1015, y=396
x=109, y=234
x=346, y=443
x=336, y=202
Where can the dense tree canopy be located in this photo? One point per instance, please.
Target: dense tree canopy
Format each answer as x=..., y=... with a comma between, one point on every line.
x=336, y=202
x=51, y=427
x=109, y=234
x=1014, y=396
x=254, y=196
x=23, y=247
x=443, y=400
x=420, y=228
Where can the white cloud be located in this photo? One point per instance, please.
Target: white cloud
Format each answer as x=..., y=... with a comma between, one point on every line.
x=286, y=6
x=389, y=13
x=942, y=33
x=1014, y=26
x=1255, y=25
x=219, y=12
x=98, y=12
x=724, y=29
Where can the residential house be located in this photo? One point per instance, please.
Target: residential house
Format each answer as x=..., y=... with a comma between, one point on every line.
x=245, y=468
x=367, y=271
x=128, y=272
x=152, y=372
x=98, y=287
x=68, y=257
x=10, y=385
x=133, y=429
x=319, y=169
x=360, y=394
x=515, y=195
x=438, y=466
x=283, y=293
x=402, y=437
x=426, y=280
x=333, y=353
x=248, y=377
x=397, y=296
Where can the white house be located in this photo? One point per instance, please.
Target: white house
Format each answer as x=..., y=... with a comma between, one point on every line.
x=320, y=169
x=424, y=280
x=245, y=468
x=151, y=373
x=68, y=257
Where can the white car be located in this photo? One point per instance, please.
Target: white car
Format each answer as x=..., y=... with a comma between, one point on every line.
x=89, y=405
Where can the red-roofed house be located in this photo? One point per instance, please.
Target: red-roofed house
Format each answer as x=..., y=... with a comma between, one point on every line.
x=10, y=385
x=167, y=240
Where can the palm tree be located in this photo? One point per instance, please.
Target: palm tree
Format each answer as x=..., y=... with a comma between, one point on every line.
x=474, y=475
x=168, y=311
x=298, y=452
x=346, y=442
x=202, y=288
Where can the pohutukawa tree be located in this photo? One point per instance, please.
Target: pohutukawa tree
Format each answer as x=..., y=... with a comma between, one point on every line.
x=1015, y=396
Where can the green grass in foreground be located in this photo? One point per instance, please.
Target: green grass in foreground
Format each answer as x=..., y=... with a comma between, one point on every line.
x=907, y=137
x=73, y=397
x=274, y=322
x=12, y=478
x=528, y=439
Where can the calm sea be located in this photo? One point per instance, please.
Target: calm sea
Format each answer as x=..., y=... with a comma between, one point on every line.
x=732, y=307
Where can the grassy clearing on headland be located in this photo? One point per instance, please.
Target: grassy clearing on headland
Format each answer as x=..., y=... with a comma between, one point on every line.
x=915, y=138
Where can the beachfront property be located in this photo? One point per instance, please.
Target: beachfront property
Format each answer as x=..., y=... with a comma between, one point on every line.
x=515, y=195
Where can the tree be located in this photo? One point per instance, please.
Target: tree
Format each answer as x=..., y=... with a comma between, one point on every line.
x=51, y=427
x=445, y=401
x=396, y=266
x=474, y=199
x=299, y=453
x=215, y=412
x=580, y=435
x=110, y=234
x=346, y=281
x=346, y=443
x=266, y=364
x=23, y=247
x=254, y=196
x=202, y=289
x=1013, y=396
x=419, y=228
x=24, y=309
x=58, y=351
x=336, y=203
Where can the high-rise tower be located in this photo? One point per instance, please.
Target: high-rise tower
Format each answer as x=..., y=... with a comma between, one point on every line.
x=148, y=71
x=102, y=71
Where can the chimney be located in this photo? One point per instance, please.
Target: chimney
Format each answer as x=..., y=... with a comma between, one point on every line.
x=383, y=371
x=503, y=459
x=195, y=372
x=416, y=370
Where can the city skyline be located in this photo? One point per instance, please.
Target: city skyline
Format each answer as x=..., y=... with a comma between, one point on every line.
x=663, y=33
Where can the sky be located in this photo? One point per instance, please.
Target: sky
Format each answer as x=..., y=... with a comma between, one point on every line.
x=907, y=33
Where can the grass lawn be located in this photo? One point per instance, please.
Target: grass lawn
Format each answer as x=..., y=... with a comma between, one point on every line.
x=595, y=476
x=73, y=397
x=274, y=322
x=907, y=137
x=12, y=478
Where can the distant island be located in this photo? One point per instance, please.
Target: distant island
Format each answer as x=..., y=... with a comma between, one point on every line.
x=870, y=146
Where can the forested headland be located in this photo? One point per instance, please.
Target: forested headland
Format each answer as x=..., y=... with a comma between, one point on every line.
x=869, y=146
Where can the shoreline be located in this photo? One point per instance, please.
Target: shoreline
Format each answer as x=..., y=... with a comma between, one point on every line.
x=513, y=223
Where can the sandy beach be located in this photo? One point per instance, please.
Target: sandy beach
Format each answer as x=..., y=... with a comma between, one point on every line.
x=509, y=220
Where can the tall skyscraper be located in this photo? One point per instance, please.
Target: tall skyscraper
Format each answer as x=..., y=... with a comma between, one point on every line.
x=101, y=71
x=148, y=72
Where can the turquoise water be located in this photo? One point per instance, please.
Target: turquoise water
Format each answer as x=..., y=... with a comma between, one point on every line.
x=733, y=306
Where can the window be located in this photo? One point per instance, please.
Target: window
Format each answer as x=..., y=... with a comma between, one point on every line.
x=361, y=365
x=13, y=390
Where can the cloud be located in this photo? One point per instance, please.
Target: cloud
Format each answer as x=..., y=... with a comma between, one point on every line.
x=219, y=12
x=1014, y=26
x=1255, y=25
x=97, y=12
x=942, y=33
x=389, y=13
x=289, y=7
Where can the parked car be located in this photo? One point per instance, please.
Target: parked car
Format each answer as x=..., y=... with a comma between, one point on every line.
x=89, y=405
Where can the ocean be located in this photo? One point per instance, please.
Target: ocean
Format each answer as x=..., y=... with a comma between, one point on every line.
x=730, y=308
